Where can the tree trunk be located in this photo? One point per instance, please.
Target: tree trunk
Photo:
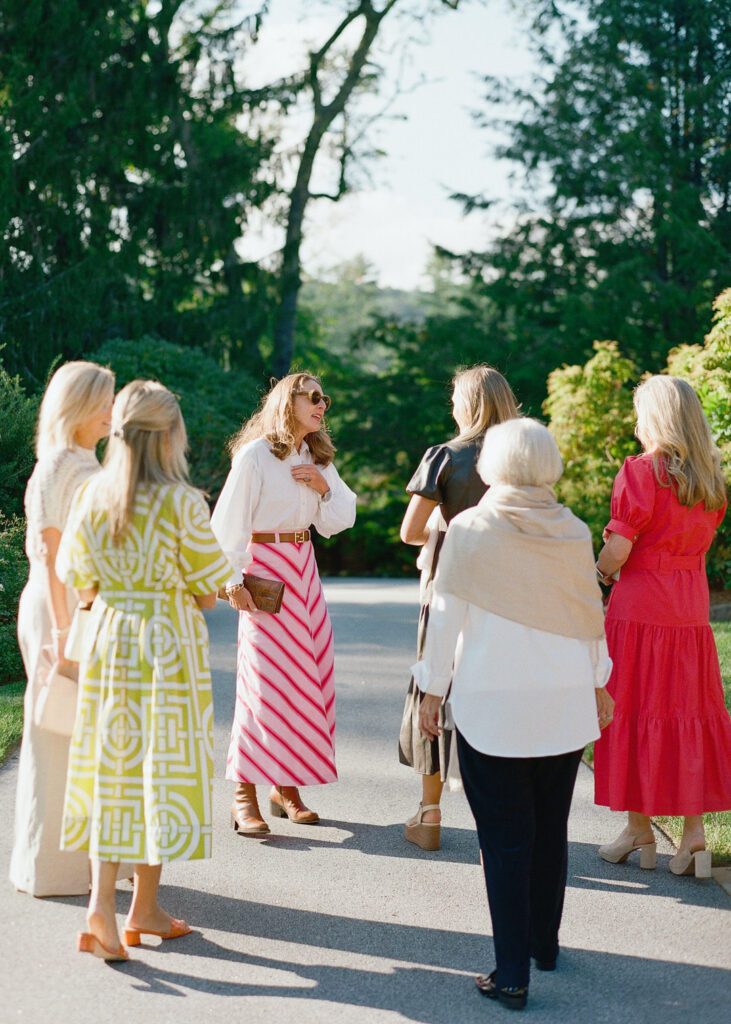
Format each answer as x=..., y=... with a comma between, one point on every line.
x=324, y=116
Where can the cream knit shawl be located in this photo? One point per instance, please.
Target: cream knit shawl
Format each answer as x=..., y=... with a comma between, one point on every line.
x=521, y=555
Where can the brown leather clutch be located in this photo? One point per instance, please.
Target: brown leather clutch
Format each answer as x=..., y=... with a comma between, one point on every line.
x=267, y=594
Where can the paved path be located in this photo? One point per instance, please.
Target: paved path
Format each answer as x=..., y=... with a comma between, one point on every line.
x=348, y=923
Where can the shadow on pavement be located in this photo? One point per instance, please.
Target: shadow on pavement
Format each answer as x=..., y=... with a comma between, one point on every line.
x=459, y=845
x=437, y=989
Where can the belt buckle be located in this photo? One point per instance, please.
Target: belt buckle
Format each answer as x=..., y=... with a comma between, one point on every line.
x=299, y=536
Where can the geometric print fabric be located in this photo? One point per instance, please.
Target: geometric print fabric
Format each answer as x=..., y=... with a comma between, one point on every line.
x=139, y=784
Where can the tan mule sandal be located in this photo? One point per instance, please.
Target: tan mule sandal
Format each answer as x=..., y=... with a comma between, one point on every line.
x=618, y=852
x=697, y=863
x=424, y=834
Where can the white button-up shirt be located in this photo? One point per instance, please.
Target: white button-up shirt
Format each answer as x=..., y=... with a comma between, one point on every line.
x=261, y=496
x=516, y=691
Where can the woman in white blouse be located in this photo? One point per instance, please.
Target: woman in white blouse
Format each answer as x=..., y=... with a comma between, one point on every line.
x=282, y=481
x=517, y=607
x=74, y=416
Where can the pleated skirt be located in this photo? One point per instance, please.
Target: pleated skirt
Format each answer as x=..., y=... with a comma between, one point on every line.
x=283, y=730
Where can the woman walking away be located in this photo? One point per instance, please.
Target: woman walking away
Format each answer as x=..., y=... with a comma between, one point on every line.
x=669, y=748
x=139, y=544
x=517, y=608
x=75, y=415
x=282, y=480
x=445, y=484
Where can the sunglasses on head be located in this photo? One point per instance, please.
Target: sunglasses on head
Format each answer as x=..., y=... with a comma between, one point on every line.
x=316, y=397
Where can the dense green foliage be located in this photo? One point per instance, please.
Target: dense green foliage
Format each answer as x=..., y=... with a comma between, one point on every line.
x=13, y=574
x=17, y=427
x=214, y=402
x=591, y=416
x=592, y=419
x=126, y=176
x=624, y=230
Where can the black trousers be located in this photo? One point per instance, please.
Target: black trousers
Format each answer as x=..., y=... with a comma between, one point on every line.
x=521, y=808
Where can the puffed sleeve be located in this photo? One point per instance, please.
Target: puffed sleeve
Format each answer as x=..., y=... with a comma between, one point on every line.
x=633, y=498
x=432, y=473
x=338, y=512
x=203, y=565
x=234, y=512
x=75, y=565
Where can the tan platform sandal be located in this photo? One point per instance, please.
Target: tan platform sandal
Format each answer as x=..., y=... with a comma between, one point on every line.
x=618, y=852
x=697, y=862
x=425, y=834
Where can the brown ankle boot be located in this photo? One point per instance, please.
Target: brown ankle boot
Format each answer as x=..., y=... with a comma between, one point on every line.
x=285, y=802
x=245, y=814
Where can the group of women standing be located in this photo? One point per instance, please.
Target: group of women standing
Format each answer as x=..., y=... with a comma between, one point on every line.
x=513, y=678
x=131, y=788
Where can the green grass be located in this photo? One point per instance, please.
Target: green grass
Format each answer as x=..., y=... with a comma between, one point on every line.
x=718, y=824
x=11, y=717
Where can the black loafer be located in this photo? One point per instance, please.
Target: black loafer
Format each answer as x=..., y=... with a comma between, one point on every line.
x=544, y=965
x=512, y=997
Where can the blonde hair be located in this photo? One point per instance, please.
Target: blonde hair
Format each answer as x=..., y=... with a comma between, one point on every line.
x=485, y=396
x=275, y=421
x=147, y=445
x=672, y=427
x=75, y=392
x=521, y=452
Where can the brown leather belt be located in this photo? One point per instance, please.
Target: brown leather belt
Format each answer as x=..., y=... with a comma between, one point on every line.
x=298, y=537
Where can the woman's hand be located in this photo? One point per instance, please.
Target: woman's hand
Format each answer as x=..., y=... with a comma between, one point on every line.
x=241, y=600
x=429, y=716
x=604, y=707
x=612, y=556
x=310, y=476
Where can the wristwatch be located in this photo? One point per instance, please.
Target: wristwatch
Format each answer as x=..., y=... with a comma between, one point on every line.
x=326, y=496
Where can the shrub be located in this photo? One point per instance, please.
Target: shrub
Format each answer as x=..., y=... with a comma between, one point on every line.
x=17, y=427
x=214, y=402
x=708, y=368
x=13, y=574
x=592, y=419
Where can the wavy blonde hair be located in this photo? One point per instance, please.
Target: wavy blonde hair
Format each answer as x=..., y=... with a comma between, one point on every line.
x=486, y=397
x=147, y=446
x=275, y=421
x=672, y=427
x=75, y=392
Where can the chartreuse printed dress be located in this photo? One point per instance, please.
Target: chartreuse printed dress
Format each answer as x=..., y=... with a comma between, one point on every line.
x=139, y=784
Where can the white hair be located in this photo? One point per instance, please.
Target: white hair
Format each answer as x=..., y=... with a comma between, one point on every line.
x=75, y=392
x=521, y=452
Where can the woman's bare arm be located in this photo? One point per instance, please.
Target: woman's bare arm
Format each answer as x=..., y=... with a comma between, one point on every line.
x=413, y=528
x=613, y=555
x=55, y=589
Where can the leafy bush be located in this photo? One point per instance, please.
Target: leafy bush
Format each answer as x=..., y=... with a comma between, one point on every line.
x=708, y=368
x=592, y=419
x=13, y=574
x=17, y=427
x=214, y=402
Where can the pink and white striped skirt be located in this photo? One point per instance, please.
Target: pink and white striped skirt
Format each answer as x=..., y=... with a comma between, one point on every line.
x=284, y=724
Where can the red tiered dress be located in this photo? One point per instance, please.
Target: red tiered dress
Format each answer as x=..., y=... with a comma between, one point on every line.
x=668, y=749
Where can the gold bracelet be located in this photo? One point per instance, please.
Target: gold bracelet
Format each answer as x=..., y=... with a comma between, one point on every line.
x=234, y=588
